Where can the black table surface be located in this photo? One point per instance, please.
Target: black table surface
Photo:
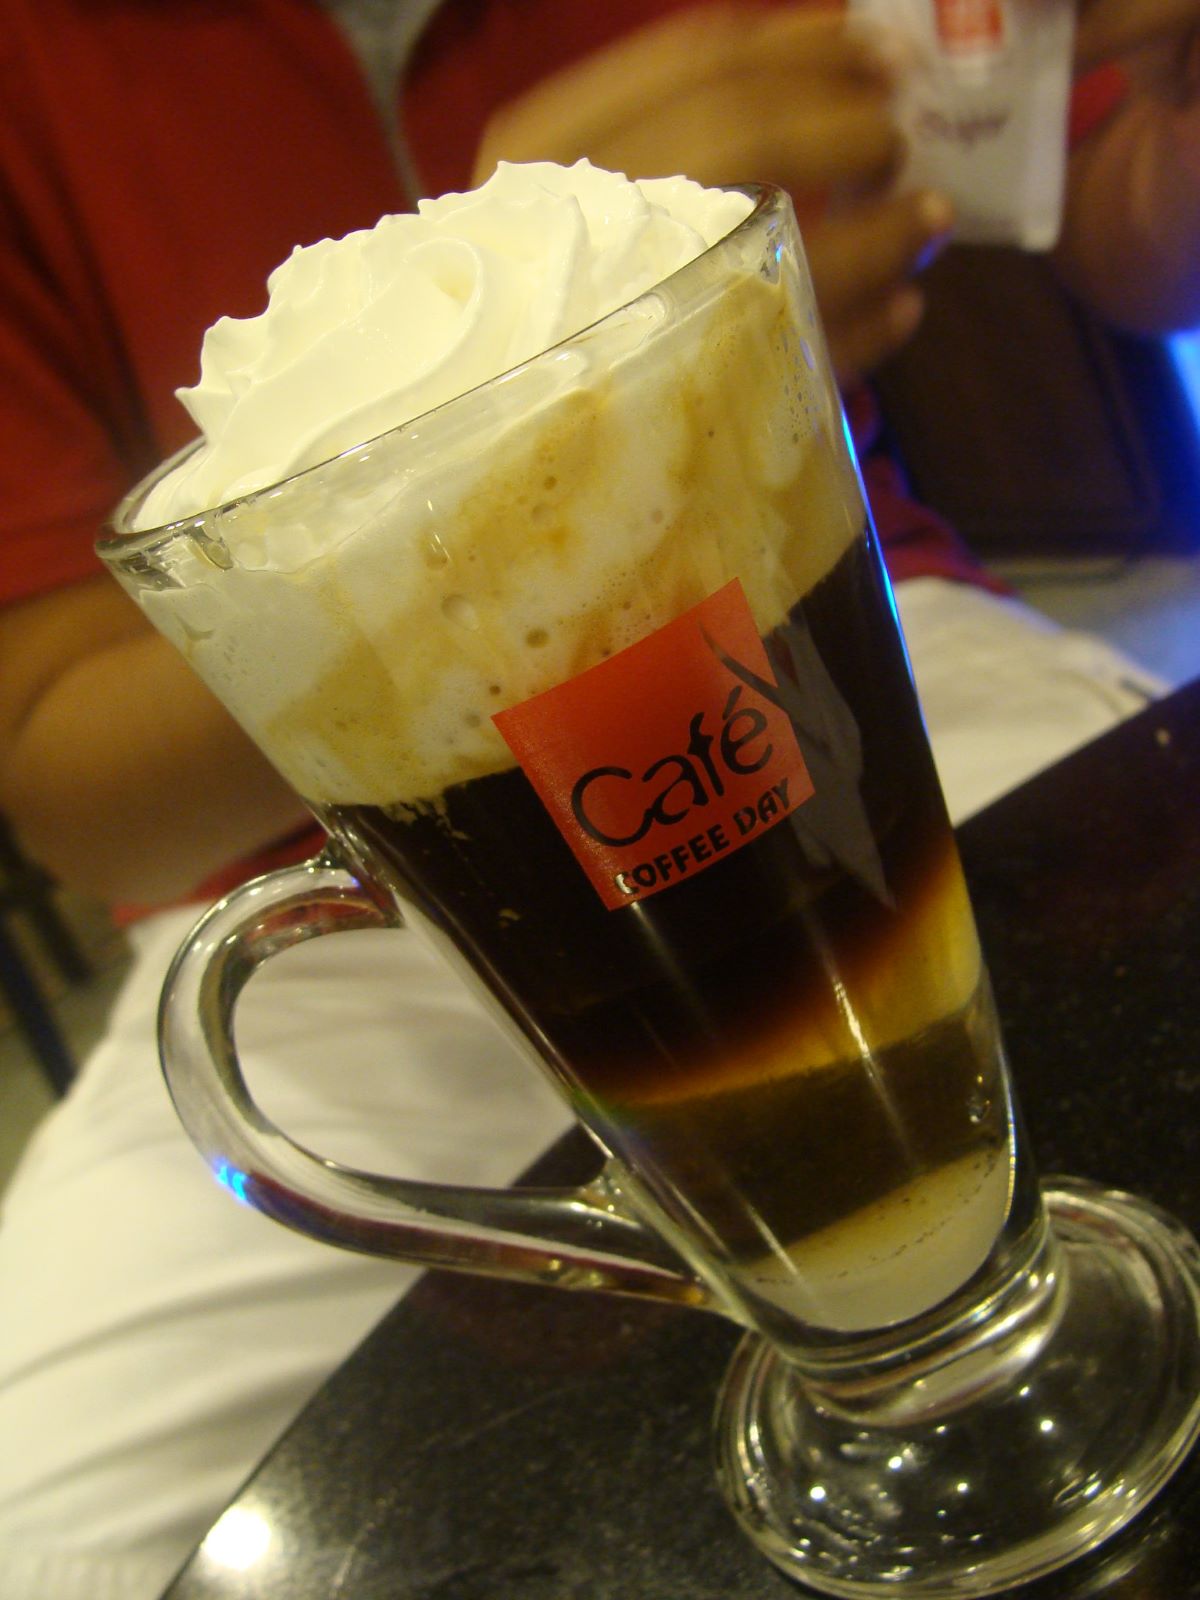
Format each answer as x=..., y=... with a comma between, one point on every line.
x=500, y=1442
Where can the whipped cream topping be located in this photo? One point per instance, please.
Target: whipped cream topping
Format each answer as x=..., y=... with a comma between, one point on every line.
x=364, y=333
x=364, y=622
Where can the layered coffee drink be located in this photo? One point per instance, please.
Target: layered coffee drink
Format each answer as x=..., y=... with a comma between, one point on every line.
x=594, y=673
x=793, y=1059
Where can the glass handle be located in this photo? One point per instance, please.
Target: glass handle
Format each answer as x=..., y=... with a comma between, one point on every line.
x=573, y=1238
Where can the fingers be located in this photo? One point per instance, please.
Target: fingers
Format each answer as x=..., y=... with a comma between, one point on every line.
x=847, y=143
x=860, y=343
x=725, y=93
x=765, y=118
x=805, y=39
x=815, y=101
x=863, y=263
x=813, y=149
x=717, y=52
x=864, y=254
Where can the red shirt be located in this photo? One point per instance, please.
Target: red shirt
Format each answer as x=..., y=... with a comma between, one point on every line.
x=156, y=161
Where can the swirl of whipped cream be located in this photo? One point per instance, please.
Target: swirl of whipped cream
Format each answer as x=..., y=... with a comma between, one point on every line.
x=364, y=333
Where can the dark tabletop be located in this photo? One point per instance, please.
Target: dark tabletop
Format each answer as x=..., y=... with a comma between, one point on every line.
x=493, y=1442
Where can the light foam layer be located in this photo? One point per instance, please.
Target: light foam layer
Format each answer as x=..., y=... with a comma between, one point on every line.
x=899, y=1256
x=512, y=540
x=364, y=333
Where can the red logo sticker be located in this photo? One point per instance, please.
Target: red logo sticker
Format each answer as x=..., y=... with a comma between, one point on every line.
x=659, y=761
x=970, y=25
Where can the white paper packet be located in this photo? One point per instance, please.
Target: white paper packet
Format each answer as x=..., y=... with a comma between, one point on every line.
x=983, y=102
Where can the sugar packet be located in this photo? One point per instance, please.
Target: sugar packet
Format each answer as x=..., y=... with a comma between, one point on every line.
x=983, y=101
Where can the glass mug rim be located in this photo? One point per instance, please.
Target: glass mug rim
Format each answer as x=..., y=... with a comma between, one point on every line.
x=120, y=540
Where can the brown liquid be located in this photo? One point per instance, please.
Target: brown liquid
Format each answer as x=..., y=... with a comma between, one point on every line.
x=785, y=1048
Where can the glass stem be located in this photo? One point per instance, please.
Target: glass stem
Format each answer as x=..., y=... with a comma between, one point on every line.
x=955, y=1354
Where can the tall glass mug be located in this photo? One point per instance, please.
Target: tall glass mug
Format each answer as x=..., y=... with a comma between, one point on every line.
x=593, y=675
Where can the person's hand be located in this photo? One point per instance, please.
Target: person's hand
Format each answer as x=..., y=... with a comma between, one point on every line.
x=734, y=93
x=1131, y=232
x=1165, y=30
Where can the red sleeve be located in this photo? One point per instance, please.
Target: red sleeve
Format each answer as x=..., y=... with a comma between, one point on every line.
x=135, y=208
x=59, y=474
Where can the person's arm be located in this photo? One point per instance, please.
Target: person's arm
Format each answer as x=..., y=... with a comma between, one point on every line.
x=119, y=771
x=1130, y=244
x=729, y=93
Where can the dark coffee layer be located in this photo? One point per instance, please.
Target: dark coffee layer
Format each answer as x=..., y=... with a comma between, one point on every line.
x=786, y=1037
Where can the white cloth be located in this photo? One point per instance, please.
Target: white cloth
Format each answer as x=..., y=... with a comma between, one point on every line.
x=1005, y=691
x=156, y=1337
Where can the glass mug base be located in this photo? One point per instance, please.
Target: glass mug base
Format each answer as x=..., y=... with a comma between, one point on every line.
x=1044, y=1458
